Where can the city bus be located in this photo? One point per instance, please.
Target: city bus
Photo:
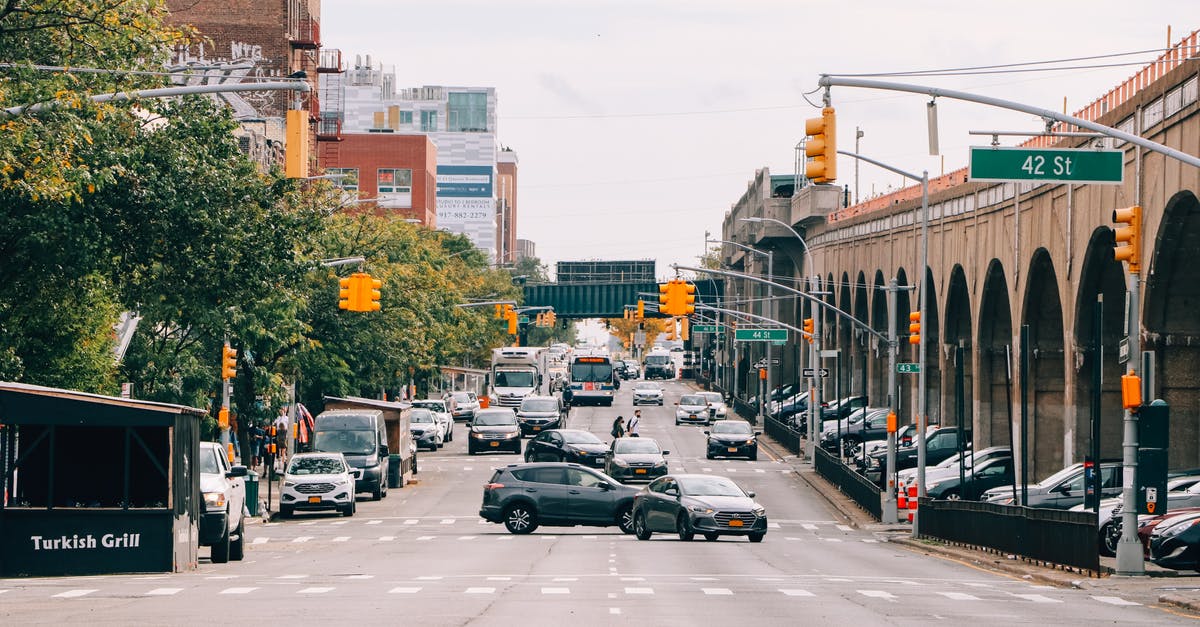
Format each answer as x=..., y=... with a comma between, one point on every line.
x=590, y=379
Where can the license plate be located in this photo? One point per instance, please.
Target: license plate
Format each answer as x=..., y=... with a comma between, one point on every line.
x=733, y=449
x=640, y=471
x=692, y=417
x=537, y=428
x=495, y=444
x=735, y=523
x=314, y=499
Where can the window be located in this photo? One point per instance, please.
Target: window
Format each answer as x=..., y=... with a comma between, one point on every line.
x=467, y=112
x=393, y=181
x=345, y=178
x=582, y=478
x=429, y=121
x=406, y=117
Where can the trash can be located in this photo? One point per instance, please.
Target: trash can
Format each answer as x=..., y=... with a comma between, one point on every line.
x=252, y=492
x=394, y=471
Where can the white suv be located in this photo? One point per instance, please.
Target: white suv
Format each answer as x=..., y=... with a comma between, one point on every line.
x=223, y=522
x=317, y=481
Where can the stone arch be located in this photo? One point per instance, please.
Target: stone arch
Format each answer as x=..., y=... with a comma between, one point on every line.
x=844, y=372
x=1047, y=367
x=958, y=333
x=994, y=396
x=906, y=385
x=1172, y=324
x=879, y=322
x=1099, y=275
x=859, y=377
x=933, y=366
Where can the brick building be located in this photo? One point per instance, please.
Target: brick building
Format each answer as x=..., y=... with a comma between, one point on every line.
x=399, y=171
x=506, y=206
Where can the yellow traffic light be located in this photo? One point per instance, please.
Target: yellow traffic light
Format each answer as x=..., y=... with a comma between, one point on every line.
x=641, y=310
x=295, y=158
x=348, y=293
x=1128, y=235
x=665, y=295
x=551, y=318
x=683, y=329
x=914, y=327
x=223, y=418
x=499, y=311
x=511, y=315
x=808, y=329
x=228, y=362
x=671, y=330
x=822, y=147
x=369, y=293
x=685, y=305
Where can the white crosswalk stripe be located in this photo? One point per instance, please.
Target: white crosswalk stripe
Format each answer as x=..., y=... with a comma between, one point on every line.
x=386, y=538
x=71, y=594
x=292, y=576
x=1115, y=601
x=467, y=537
x=447, y=521
x=639, y=590
x=315, y=590
x=404, y=590
x=845, y=527
x=878, y=594
x=302, y=538
x=809, y=526
x=959, y=596
x=374, y=522
x=163, y=592
x=556, y=591
x=717, y=591
x=247, y=590
x=411, y=521
x=480, y=590
x=795, y=592
x=260, y=541
x=341, y=538
x=1036, y=598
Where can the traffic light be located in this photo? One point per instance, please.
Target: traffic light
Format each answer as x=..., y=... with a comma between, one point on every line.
x=666, y=292
x=348, y=293
x=228, y=362
x=822, y=147
x=499, y=311
x=511, y=315
x=686, y=298
x=369, y=293
x=914, y=327
x=808, y=329
x=671, y=330
x=641, y=310
x=223, y=418
x=683, y=329
x=1129, y=235
x=295, y=157
x=551, y=318
x=539, y=321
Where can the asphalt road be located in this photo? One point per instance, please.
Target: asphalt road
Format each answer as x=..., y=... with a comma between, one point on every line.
x=423, y=556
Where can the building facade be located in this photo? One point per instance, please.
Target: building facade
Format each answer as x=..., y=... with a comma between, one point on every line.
x=506, y=205
x=399, y=172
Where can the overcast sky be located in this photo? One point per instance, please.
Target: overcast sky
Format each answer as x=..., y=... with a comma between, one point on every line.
x=638, y=123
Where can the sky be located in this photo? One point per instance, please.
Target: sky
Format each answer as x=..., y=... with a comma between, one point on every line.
x=639, y=123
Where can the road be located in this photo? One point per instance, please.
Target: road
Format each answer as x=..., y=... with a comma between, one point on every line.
x=423, y=556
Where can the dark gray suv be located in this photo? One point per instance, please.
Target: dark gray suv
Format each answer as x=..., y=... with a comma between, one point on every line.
x=525, y=496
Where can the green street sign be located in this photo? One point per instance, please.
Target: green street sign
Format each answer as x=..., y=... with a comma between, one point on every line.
x=760, y=335
x=707, y=328
x=908, y=368
x=1057, y=165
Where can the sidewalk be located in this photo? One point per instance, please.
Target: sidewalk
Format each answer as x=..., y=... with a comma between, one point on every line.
x=1160, y=586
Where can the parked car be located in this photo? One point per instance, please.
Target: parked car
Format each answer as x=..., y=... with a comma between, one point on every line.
x=465, y=405
x=538, y=413
x=566, y=445
x=441, y=410
x=865, y=425
x=635, y=459
x=950, y=464
x=526, y=496
x=997, y=471
x=223, y=521
x=317, y=481
x=716, y=405
x=647, y=392
x=1063, y=489
x=710, y=505
x=1175, y=542
x=1183, y=495
x=732, y=438
x=494, y=429
x=693, y=409
x=939, y=445
x=425, y=428
x=842, y=408
x=633, y=369
x=361, y=436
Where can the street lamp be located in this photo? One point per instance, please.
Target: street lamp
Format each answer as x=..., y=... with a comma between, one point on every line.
x=814, y=398
x=770, y=255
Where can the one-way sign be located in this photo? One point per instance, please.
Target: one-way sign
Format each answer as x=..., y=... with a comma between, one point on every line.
x=821, y=372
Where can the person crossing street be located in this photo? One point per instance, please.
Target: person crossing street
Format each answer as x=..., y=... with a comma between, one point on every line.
x=632, y=428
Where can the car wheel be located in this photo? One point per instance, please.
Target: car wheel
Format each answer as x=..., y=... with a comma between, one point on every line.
x=220, y=550
x=709, y=456
x=952, y=495
x=350, y=509
x=685, y=532
x=520, y=519
x=757, y=537
x=660, y=403
x=712, y=537
x=377, y=493
x=754, y=456
x=237, y=548
x=625, y=519
x=470, y=451
x=640, y=528
x=286, y=511
x=1108, y=540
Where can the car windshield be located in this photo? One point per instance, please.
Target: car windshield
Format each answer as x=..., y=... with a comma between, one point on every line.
x=463, y=397
x=692, y=400
x=433, y=405
x=539, y=404
x=709, y=486
x=495, y=418
x=630, y=363
x=713, y=397
x=1055, y=478
x=316, y=466
x=647, y=385
x=635, y=445
x=581, y=437
x=208, y=461
x=658, y=360
x=591, y=372
x=732, y=427
x=514, y=379
x=345, y=441
x=421, y=415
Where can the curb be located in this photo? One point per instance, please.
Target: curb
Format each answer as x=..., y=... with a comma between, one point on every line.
x=1012, y=567
x=1180, y=602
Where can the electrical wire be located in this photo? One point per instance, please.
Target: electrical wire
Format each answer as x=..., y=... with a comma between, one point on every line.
x=1008, y=65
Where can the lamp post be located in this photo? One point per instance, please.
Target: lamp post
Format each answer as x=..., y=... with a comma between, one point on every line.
x=814, y=400
x=770, y=255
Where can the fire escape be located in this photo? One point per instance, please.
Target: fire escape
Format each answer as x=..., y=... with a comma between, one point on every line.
x=330, y=74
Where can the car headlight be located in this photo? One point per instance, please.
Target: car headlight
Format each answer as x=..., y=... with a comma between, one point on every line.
x=759, y=511
x=341, y=481
x=477, y=435
x=662, y=464
x=750, y=441
x=511, y=435
x=286, y=484
x=700, y=509
x=620, y=462
x=214, y=500
x=1175, y=530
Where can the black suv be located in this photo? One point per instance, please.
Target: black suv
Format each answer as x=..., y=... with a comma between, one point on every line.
x=525, y=496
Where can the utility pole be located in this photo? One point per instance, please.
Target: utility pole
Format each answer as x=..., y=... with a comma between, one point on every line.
x=889, y=490
x=858, y=134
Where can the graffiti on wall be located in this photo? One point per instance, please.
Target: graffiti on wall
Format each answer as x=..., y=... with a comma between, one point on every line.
x=198, y=65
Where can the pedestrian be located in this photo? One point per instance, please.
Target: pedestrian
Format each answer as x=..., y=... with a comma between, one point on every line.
x=255, y=439
x=281, y=436
x=618, y=428
x=634, y=422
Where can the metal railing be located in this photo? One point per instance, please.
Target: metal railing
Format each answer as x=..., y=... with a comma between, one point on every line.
x=857, y=487
x=1050, y=535
x=783, y=434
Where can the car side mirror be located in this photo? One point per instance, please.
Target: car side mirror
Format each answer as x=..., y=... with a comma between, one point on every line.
x=750, y=493
x=237, y=471
x=676, y=402
x=605, y=485
x=383, y=450
x=666, y=452
x=671, y=492
x=758, y=433
x=707, y=433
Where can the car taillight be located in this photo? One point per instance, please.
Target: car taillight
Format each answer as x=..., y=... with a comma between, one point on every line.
x=493, y=486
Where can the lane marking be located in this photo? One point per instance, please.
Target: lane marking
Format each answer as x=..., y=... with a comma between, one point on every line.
x=499, y=578
x=639, y=590
x=360, y=576
x=386, y=538
x=809, y=526
x=959, y=596
x=1115, y=601
x=614, y=610
x=447, y=521
x=291, y=576
x=565, y=579
x=404, y=590
x=717, y=591
x=878, y=594
x=467, y=537
x=845, y=527
x=549, y=537
x=429, y=577
x=870, y=541
x=260, y=541
x=315, y=590
x=832, y=539
x=633, y=578
x=796, y=592
x=423, y=538
x=759, y=470
x=411, y=521
x=341, y=538
x=238, y=590
x=712, y=579
x=374, y=522
x=480, y=591
x=1036, y=598
x=504, y=537
x=556, y=591
x=301, y=539
x=772, y=525
x=309, y=523
x=163, y=592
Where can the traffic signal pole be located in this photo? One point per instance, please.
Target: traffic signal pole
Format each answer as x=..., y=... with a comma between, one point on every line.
x=1130, y=560
x=889, y=482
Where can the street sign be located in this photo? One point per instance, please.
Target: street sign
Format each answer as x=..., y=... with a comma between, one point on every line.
x=762, y=363
x=1123, y=350
x=760, y=335
x=708, y=328
x=908, y=368
x=821, y=372
x=639, y=338
x=1057, y=165
x=829, y=353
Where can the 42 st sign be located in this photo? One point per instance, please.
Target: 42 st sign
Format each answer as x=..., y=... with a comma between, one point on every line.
x=1082, y=165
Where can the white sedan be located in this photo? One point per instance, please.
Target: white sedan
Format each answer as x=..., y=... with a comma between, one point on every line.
x=442, y=413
